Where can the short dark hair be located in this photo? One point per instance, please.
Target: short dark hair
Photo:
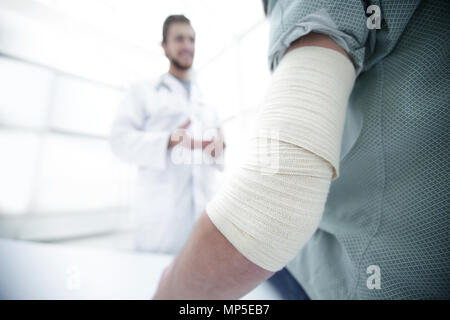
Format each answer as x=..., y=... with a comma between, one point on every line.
x=176, y=18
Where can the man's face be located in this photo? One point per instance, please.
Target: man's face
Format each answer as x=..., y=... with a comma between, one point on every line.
x=180, y=45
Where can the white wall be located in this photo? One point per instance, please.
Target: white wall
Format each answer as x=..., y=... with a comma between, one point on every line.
x=63, y=70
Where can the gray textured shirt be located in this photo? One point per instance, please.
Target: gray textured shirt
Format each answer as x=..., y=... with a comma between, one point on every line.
x=387, y=217
x=187, y=86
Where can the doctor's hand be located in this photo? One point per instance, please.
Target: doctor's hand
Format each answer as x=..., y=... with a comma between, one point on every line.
x=181, y=137
x=216, y=147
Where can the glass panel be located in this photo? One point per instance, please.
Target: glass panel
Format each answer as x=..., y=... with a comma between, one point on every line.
x=81, y=174
x=24, y=93
x=82, y=106
x=17, y=169
x=219, y=83
x=253, y=65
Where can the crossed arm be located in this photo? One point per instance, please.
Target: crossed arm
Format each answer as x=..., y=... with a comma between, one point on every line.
x=209, y=266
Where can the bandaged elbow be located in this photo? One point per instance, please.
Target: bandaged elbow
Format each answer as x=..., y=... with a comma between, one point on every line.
x=272, y=204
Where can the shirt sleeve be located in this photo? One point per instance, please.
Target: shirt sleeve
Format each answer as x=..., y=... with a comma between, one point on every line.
x=130, y=142
x=344, y=21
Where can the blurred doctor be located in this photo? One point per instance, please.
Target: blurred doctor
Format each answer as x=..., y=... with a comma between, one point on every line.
x=165, y=128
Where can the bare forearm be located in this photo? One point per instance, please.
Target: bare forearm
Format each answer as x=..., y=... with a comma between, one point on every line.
x=209, y=267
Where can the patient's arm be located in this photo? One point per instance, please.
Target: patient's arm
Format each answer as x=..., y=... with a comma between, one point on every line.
x=209, y=266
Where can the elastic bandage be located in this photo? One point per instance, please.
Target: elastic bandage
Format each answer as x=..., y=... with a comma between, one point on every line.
x=272, y=204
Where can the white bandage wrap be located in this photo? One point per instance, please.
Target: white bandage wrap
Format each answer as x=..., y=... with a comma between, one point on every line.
x=273, y=203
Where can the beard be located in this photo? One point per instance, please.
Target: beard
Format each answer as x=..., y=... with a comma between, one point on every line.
x=178, y=65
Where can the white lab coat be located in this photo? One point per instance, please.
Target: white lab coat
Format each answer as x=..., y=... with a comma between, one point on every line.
x=171, y=193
